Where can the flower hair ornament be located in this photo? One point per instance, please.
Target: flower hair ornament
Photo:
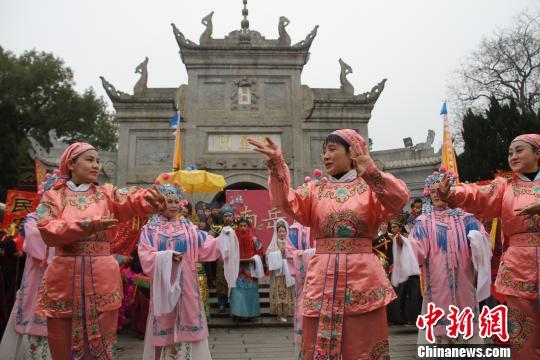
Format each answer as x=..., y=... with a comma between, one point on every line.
x=433, y=179
x=170, y=190
x=167, y=189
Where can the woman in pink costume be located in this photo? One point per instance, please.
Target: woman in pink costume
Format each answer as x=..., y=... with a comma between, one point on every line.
x=453, y=250
x=517, y=202
x=346, y=288
x=26, y=333
x=169, y=248
x=81, y=290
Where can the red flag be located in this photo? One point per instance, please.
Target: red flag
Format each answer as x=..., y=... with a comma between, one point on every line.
x=18, y=204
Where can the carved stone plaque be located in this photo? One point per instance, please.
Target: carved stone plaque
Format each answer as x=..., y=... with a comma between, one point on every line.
x=237, y=142
x=244, y=95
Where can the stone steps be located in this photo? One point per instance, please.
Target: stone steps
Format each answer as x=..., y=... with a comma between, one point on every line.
x=224, y=320
x=264, y=300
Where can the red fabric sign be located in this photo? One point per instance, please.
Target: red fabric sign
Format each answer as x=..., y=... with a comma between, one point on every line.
x=18, y=204
x=255, y=204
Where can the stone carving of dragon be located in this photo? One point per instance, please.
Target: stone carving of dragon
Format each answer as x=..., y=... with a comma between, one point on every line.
x=141, y=85
x=284, y=38
x=206, y=36
x=346, y=86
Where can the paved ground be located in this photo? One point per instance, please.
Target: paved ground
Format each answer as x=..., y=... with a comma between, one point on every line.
x=268, y=343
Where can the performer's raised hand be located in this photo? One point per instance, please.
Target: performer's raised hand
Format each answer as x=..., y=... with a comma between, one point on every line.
x=270, y=149
x=443, y=190
x=531, y=209
x=155, y=198
x=361, y=158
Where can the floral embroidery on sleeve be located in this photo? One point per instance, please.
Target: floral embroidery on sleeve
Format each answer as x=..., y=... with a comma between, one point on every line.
x=377, y=180
x=274, y=166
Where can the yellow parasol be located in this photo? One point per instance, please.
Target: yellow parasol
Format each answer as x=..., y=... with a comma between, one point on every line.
x=194, y=181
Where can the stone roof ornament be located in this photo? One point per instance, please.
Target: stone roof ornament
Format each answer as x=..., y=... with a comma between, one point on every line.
x=245, y=36
x=181, y=39
x=141, y=85
x=112, y=92
x=429, y=141
x=306, y=43
x=346, y=86
x=373, y=94
x=284, y=38
x=206, y=36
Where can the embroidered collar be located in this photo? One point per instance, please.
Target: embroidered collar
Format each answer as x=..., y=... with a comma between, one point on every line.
x=160, y=219
x=163, y=218
x=526, y=179
x=445, y=211
x=80, y=188
x=351, y=175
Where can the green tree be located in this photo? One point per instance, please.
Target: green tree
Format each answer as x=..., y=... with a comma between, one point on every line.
x=487, y=135
x=37, y=95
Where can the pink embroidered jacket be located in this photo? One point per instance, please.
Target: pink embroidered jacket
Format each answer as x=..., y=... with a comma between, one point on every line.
x=518, y=272
x=187, y=322
x=348, y=215
x=83, y=279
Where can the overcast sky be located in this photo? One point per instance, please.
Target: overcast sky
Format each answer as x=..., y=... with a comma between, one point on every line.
x=415, y=44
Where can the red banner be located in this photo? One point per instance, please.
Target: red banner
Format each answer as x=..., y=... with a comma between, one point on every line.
x=18, y=204
x=255, y=204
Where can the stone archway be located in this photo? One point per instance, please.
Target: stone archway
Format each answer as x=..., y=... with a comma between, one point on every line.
x=253, y=178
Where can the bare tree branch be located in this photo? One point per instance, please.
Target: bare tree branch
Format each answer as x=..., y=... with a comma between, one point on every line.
x=505, y=66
